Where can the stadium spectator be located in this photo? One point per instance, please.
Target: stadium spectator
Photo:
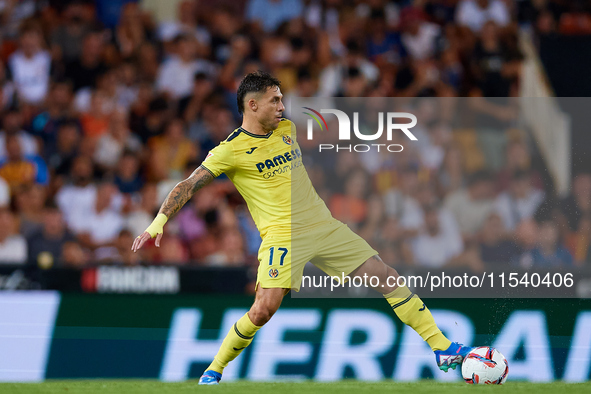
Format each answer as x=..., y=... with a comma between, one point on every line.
x=400, y=202
x=59, y=108
x=351, y=206
x=231, y=252
x=13, y=246
x=331, y=77
x=84, y=70
x=95, y=122
x=419, y=36
x=370, y=228
x=191, y=107
x=148, y=63
x=73, y=255
x=75, y=198
x=47, y=244
x=191, y=219
x=111, y=145
x=451, y=176
x=66, y=40
x=472, y=205
x=18, y=169
x=124, y=254
x=30, y=201
x=549, y=251
x=475, y=13
x=143, y=210
x=433, y=247
x=171, y=252
x=432, y=152
x=175, y=76
x=520, y=202
x=496, y=66
x=219, y=219
x=215, y=126
x=127, y=89
x=102, y=223
x=496, y=250
x=12, y=123
x=171, y=152
x=186, y=23
x=578, y=203
x=384, y=46
x=127, y=174
x=385, y=234
x=517, y=158
x=149, y=115
x=268, y=15
x=578, y=242
x=106, y=83
x=130, y=31
x=61, y=154
x=30, y=66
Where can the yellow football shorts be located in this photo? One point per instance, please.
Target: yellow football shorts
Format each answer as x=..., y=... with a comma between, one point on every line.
x=332, y=247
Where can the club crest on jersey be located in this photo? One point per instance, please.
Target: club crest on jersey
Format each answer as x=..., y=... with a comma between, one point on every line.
x=287, y=139
x=273, y=273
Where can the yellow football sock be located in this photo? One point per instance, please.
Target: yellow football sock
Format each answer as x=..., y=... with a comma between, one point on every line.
x=238, y=338
x=413, y=312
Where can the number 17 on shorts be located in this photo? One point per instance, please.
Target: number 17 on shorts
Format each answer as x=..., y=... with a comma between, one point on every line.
x=274, y=265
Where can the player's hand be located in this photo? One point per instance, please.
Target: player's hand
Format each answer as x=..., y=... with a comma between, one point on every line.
x=156, y=229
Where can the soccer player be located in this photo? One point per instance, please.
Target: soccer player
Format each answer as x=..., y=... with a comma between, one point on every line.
x=264, y=161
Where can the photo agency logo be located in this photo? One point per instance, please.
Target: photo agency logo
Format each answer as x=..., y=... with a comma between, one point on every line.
x=392, y=120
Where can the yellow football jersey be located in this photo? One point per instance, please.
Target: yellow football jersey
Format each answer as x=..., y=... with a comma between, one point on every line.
x=268, y=172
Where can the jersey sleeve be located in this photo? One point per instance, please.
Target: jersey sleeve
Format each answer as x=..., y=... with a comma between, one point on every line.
x=220, y=159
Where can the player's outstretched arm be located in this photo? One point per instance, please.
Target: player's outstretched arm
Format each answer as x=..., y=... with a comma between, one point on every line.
x=175, y=200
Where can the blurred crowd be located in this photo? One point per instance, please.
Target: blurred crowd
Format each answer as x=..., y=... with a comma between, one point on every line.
x=106, y=104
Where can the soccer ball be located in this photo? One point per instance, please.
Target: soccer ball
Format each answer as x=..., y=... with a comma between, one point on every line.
x=485, y=365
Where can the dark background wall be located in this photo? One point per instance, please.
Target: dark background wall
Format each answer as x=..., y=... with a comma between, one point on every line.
x=567, y=60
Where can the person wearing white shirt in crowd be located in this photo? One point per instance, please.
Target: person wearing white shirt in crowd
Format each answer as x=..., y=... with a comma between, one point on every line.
x=77, y=200
x=186, y=23
x=520, y=202
x=419, y=35
x=475, y=13
x=30, y=66
x=175, y=76
x=103, y=223
x=433, y=247
x=13, y=246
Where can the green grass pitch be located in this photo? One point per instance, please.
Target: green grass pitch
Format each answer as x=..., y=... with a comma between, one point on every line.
x=342, y=387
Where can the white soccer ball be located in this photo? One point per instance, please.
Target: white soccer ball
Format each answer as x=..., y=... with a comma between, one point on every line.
x=485, y=365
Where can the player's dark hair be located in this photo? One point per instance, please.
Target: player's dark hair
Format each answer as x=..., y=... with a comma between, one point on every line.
x=256, y=82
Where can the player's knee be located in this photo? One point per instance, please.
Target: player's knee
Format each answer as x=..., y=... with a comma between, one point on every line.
x=261, y=314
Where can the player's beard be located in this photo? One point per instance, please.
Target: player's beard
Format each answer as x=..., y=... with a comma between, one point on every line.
x=272, y=125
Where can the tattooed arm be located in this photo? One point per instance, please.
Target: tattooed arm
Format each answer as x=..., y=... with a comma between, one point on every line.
x=184, y=190
x=175, y=200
